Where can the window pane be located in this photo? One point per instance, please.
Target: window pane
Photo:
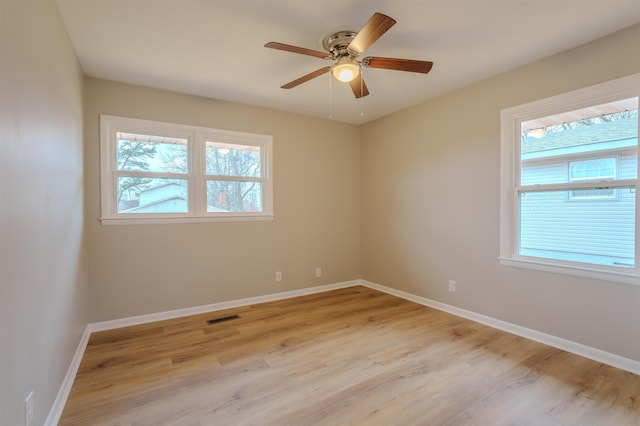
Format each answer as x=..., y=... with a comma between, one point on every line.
x=588, y=194
x=602, y=168
x=225, y=159
x=559, y=140
x=233, y=196
x=599, y=231
x=146, y=195
x=137, y=152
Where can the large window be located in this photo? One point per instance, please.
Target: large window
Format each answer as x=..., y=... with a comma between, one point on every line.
x=160, y=172
x=569, y=182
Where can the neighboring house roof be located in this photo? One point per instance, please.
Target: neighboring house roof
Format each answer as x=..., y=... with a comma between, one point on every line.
x=165, y=198
x=160, y=198
x=616, y=134
x=162, y=192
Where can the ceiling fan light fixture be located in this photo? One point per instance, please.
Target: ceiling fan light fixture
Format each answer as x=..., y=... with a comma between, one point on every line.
x=346, y=70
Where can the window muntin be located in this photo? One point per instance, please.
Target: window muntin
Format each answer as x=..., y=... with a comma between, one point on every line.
x=569, y=179
x=158, y=172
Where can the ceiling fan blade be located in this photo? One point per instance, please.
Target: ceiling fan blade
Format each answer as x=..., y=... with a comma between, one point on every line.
x=398, y=64
x=359, y=87
x=306, y=78
x=296, y=49
x=377, y=25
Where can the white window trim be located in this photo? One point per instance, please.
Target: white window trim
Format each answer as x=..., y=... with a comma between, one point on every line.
x=510, y=119
x=196, y=137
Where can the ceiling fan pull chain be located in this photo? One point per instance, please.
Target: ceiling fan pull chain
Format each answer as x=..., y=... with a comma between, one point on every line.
x=330, y=98
x=361, y=92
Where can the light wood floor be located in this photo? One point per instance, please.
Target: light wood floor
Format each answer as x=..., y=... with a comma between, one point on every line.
x=352, y=356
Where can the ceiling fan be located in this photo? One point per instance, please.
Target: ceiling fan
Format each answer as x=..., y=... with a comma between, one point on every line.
x=344, y=48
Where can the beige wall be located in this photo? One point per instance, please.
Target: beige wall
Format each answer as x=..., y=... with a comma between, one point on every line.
x=144, y=269
x=43, y=276
x=431, y=181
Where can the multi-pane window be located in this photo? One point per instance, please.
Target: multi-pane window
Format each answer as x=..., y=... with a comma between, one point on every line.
x=158, y=172
x=569, y=179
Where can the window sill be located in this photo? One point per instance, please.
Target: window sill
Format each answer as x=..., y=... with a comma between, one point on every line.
x=626, y=276
x=184, y=219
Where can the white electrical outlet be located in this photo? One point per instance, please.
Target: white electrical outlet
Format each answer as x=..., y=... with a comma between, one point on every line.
x=28, y=409
x=278, y=276
x=452, y=286
x=318, y=272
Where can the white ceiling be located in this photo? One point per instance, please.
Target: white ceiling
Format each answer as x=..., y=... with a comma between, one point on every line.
x=214, y=48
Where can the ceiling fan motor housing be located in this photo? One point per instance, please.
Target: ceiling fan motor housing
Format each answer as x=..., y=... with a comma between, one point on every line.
x=337, y=43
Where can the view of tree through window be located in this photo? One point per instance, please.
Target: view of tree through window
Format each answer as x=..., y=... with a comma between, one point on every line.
x=151, y=173
x=571, y=125
x=233, y=177
x=132, y=155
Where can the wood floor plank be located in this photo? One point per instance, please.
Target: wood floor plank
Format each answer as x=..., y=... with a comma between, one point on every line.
x=349, y=356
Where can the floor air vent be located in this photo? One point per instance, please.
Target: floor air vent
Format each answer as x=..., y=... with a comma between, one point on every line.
x=222, y=319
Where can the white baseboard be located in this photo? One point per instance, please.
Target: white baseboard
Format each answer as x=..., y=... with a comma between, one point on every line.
x=547, y=339
x=161, y=316
x=61, y=399
x=557, y=342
